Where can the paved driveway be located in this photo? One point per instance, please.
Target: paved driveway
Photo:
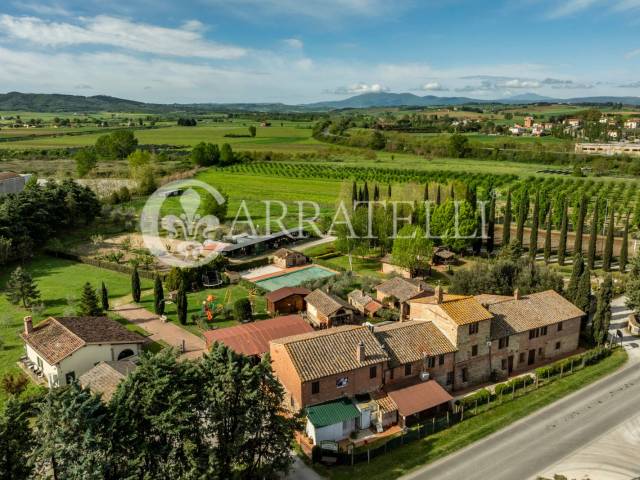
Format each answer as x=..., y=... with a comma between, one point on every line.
x=165, y=331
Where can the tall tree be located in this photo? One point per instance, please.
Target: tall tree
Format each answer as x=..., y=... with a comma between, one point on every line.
x=88, y=305
x=425, y=196
x=71, y=435
x=389, y=190
x=593, y=238
x=582, y=213
x=438, y=196
x=602, y=316
x=523, y=213
x=104, y=297
x=624, y=248
x=583, y=292
x=15, y=440
x=181, y=301
x=576, y=273
x=365, y=192
x=562, y=243
x=158, y=296
x=533, y=238
x=547, y=238
x=607, y=255
x=411, y=250
x=506, y=224
x=632, y=290
x=491, y=224
x=354, y=193
x=21, y=288
x=135, y=285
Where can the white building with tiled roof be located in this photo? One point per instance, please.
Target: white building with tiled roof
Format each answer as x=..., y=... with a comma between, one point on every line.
x=59, y=350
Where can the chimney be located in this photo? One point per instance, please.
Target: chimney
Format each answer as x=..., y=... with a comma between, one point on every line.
x=438, y=294
x=516, y=294
x=360, y=351
x=28, y=325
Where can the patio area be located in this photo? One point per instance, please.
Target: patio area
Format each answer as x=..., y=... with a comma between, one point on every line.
x=32, y=370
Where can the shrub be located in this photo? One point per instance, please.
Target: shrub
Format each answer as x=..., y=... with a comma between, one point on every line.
x=242, y=310
x=14, y=383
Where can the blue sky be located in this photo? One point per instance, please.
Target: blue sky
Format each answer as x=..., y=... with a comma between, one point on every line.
x=297, y=51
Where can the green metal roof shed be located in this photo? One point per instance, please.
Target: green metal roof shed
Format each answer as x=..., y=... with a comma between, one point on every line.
x=332, y=412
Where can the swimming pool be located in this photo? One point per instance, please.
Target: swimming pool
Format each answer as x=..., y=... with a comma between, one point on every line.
x=293, y=279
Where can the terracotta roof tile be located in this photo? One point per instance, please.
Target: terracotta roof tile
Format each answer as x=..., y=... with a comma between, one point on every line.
x=461, y=309
x=104, y=378
x=403, y=288
x=419, y=397
x=329, y=352
x=407, y=342
x=326, y=304
x=285, y=292
x=8, y=175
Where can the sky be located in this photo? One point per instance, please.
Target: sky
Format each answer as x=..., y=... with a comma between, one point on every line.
x=301, y=51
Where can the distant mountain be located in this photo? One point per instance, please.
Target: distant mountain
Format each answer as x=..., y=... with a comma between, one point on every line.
x=42, y=102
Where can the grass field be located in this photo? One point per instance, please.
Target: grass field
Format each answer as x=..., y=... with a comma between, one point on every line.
x=433, y=447
x=60, y=282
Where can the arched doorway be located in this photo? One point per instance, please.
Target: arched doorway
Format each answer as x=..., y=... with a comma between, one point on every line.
x=125, y=353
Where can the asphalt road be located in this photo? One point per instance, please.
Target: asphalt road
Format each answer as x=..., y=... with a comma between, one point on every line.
x=541, y=440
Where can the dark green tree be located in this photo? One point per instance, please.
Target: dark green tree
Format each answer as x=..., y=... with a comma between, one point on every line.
x=389, y=190
x=506, y=224
x=135, y=285
x=523, y=213
x=576, y=273
x=491, y=224
x=252, y=130
x=632, y=290
x=458, y=146
x=104, y=297
x=624, y=248
x=593, y=238
x=562, y=242
x=535, y=219
x=226, y=154
x=15, y=441
x=607, y=255
x=582, y=213
x=547, y=238
x=158, y=296
x=425, y=196
x=242, y=310
x=86, y=160
x=89, y=306
x=21, y=288
x=182, y=306
x=583, y=292
x=354, y=193
x=602, y=316
x=438, y=196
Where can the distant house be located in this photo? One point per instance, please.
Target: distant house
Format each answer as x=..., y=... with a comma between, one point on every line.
x=285, y=258
x=12, y=182
x=573, y=122
x=632, y=123
x=363, y=303
x=104, y=378
x=286, y=300
x=252, y=339
x=59, y=350
x=399, y=291
x=528, y=122
x=326, y=311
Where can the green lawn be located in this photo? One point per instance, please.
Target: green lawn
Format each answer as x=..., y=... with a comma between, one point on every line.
x=60, y=282
x=195, y=300
x=433, y=447
x=367, y=267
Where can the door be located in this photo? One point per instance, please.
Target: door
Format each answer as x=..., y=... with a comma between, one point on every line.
x=532, y=357
x=510, y=364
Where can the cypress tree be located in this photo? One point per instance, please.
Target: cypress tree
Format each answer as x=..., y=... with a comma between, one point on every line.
x=158, y=296
x=135, y=285
x=15, y=439
x=452, y=193
x=583, y=292
x=389, y=190
x=472, y=196
x=354, y=193
x=523, y=213
x=533, y=238
x=89, y=305
x=426, y=192
x=624, y=249
x=365, y=192
x=547, y=239
x=360, y=195
x=562, y=244
x=602, y=316
x=593, y=238
x=181, y=301
x=582, y=213
x=607, y=255
x=438, y=199
x=376, y=193
x=491, y=227
x=576, y=273
x=104, y=297
x=506, y=224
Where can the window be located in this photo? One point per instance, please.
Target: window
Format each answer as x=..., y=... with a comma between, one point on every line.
x=503, y=343
x=315, y=388
x=543, y=331
x=535, y=333
x=558, y=345
x=504, y=363
x=560, y=326
x=373, y=372
x=540, y=351
x=449, y=378
x=474, y=350
x=431, y=362
x=465, y=376
x=407, y=369
x=521, y=358
x=70, y=377
x=441, y=360
x=473, y=328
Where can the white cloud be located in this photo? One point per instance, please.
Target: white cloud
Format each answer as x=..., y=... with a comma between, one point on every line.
x=635, y=84
x=518, y=83
x=117, y=32
x=294, y=43
x=359, y=88
x=564, y=8
x=433, y=87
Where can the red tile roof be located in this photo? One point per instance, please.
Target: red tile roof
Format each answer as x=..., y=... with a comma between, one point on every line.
x=419, y=397
x=285, y=292
x=253, y=338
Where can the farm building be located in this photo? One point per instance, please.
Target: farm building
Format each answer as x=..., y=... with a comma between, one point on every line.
x=12, y=182
x=285, y=258
x=326, y=311
x=286, y=300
